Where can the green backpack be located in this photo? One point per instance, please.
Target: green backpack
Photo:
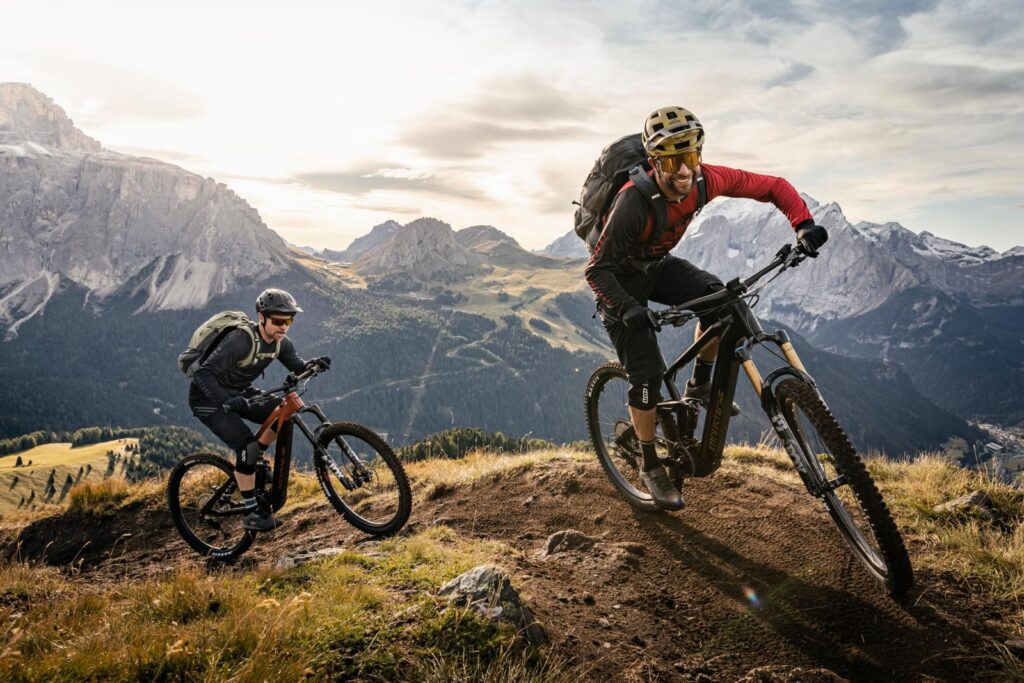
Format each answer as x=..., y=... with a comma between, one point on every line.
x=209, y=334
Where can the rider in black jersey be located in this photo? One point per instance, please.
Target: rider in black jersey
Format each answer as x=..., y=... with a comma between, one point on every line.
x=221, y=390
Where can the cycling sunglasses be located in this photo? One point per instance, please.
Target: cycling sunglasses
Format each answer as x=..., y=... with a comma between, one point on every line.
x=282, y=322
x=674, y=162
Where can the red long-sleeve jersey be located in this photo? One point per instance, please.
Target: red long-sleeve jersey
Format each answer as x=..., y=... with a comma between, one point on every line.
x=626, y=237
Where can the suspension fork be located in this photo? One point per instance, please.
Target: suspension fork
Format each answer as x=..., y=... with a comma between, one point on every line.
x=769, y=402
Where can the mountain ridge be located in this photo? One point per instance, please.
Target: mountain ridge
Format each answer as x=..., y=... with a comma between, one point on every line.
x=99, y=219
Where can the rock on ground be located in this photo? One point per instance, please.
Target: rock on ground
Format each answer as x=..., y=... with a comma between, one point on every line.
x=489, y=591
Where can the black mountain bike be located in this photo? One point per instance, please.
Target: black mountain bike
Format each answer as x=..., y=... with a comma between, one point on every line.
x=357, y=470
x=820, y=450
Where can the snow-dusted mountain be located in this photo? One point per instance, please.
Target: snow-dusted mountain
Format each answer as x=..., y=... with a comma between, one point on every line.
x=73, y=212
x=861, y=267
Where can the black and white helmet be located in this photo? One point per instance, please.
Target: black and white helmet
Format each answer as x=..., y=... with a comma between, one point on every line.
x=276, y=301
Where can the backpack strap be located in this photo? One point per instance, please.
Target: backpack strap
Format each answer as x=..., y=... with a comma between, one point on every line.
x=650, y=190
x=702, y=193
x=254, y=356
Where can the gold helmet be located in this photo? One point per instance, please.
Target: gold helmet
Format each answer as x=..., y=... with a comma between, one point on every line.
x=670, y=131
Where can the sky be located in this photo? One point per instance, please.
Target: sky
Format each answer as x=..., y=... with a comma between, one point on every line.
x=332, y=117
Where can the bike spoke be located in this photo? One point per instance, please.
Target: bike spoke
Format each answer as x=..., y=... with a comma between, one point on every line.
x=210, y=506
x=361, y=481
x=831, y=484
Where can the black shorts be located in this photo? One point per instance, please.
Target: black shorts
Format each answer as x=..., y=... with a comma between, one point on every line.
x=229, y=427
x=672, y=282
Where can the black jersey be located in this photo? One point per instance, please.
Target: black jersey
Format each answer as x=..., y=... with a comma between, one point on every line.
x=219, y=377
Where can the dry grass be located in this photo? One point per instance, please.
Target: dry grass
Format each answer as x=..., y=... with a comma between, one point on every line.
x=106, y=496
x=987, y=552
x=440, y=473
x=762, y=461
x=370, y=616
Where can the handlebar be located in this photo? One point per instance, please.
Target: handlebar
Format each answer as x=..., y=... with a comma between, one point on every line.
x=788, y=256
x=293, y=380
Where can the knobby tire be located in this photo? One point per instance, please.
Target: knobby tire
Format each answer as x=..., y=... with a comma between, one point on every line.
x=609, y=372
x=220, y=552
x=331, y=486
x=896, y=575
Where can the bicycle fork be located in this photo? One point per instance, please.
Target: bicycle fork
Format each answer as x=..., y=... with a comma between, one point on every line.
x=765, y=389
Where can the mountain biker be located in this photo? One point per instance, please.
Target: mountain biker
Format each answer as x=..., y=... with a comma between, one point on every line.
x=221, y=392
x=628, y=268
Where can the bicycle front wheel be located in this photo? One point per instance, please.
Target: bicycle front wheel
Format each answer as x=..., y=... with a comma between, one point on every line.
x=363, y=478
x=842, y=481
x=207, y=507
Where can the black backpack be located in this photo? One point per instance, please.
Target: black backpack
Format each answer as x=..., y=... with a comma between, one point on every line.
x=623, y=160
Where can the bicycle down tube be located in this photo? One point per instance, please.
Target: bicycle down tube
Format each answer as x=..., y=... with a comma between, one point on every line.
x=737, y=333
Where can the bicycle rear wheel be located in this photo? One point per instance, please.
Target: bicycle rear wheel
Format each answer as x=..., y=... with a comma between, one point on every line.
x=206, y=506
x=363, y=478
x=844, y=484
x=612, y=434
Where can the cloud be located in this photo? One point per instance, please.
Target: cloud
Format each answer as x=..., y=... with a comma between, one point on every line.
x=103, y=92
x=381, y=208
x=359, y=182
x=468, y=139
x=556, y=190
x=506, y=110
x=526, y=98
x=796, y=72
x=764, y=22
x=956, y=86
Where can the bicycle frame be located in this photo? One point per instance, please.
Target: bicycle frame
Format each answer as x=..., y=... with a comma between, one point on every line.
x=282, y=420
x=738, y=331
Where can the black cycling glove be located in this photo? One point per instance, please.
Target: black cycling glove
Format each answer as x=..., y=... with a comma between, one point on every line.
x=640, y=318
x=811, y=237
x=236, y=404
x=322, y=362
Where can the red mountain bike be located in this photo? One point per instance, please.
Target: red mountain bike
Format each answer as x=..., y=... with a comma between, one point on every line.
x=357, y=470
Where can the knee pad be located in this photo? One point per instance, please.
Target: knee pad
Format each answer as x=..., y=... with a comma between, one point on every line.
x=645, y=395
x=242, y=468
x=248, y=457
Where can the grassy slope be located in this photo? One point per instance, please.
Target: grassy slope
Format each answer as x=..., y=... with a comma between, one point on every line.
x=530, y=291
x=60, y=457
x=371, y=613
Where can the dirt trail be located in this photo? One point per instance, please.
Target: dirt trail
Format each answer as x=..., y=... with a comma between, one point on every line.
x=750, y=576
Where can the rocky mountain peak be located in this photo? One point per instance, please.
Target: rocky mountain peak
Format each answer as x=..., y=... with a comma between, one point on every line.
x=112, y=223
x=379, y=234
x=498, y=248
x=830, y=215
x=567, y=246
x=385, y=229
x=29, y=116
x=479, y=234
x=423, y=249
